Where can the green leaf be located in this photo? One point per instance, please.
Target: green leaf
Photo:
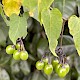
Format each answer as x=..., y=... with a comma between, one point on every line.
x=15, y=66
x=0, y=8
x=74, y=26
x=2, y=38
x=73, y=72
x=30, y=4
x=78, y=4
x=35, y=14
x=3, y=15
x=67, y=40
x=25, y=68
x=44, y=4
x=18, y=27
x=37, y=76
x=4, y=75
x=3, y=61
x=41, y=47
x=56, y=77
x=32, y=7
x=3, y=32
x=77, y=64
x=36, y=6
x=78, y=77
x=67, y=7
x=52, y=21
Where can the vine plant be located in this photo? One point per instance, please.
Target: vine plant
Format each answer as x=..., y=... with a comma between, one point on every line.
x=41, y=10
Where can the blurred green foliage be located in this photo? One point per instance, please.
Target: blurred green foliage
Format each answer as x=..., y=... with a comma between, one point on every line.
x=36, y=44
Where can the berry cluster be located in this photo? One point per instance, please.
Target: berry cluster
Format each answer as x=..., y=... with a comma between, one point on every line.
x=18, y=51
x=45, y=66
x=60, y=69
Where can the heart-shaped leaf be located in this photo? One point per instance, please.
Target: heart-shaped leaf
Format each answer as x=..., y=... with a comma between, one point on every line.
x=42, y=5
x=74, y=26
x=52, y=21
x=30, y=4
x=18, y=27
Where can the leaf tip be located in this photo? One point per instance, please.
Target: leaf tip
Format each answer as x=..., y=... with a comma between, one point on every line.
x=78, y=52
x=53, y=52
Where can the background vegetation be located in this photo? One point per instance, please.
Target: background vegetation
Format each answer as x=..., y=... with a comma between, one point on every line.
x=36, y=44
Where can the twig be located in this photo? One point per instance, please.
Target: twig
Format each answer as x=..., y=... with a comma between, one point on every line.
x=49, y=77
x=61, y=35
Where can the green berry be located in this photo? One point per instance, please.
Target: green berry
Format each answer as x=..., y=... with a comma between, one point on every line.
x=45, y=60
x=62, y=72
x=67, y=67
x=16, y=55
x=48, y=69
x=18, y=46
x=24, y=55
x=10, y=49
x=57, y=67
x=39, y=65
x=54, y=63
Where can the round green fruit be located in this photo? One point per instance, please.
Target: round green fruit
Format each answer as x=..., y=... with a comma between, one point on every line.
x=45, y=60
x=57, y=67
x=16, y=55
x=67, y=67
x=24, y=55
x=18, y=46
x=48, y=69
x=10, y=49
x=62, y=72
x=39, y=65
x=54, y=63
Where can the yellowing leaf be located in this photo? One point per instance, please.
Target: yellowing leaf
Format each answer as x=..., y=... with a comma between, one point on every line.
x=74, y=26
x=11, y=6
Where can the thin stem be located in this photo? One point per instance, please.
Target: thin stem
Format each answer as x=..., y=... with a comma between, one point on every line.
x=49, y=59
x=23, y=48
x=61, y=51
x=62, y=33
x=21, y=44
x=49, y=77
